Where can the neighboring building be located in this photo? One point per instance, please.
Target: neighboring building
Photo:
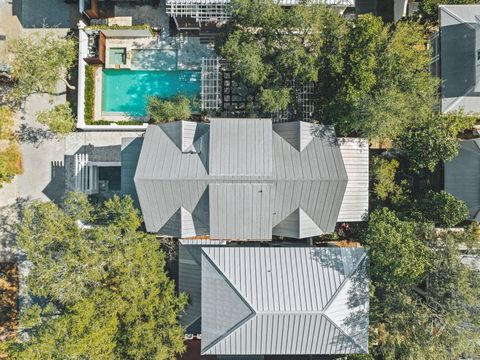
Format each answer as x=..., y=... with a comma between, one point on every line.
x=247, y=179
x=275, y=300
x=462, y=176
x=459, y=57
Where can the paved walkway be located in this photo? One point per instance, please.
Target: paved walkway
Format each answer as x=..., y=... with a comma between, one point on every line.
x=45, y=13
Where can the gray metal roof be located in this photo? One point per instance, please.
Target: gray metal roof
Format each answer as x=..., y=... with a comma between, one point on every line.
x=130, y=152
x=241, y=210
x=240, y=147
x=189, y=280
x=459, y=61
x=285, y=301
x=462, y=176
x=280, y=2
x=241, y=167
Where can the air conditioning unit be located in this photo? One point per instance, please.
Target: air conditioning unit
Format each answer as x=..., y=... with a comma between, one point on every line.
x=188, y=336
x=103, y=185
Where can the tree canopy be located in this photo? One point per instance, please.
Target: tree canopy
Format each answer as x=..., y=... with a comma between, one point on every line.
x=425, y=299
x=370, y=78
x=433, y=140
x=59, y=119
x=381, y=83
x=273, y=50
x=441, y=208
x=40, y=60
x=99, y=284
x=399, y=258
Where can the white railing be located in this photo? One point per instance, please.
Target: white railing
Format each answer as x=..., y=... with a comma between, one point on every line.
x=86, y=176
x=82, y=54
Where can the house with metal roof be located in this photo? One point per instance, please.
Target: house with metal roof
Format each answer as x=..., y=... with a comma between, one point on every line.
x=462, y=176
x=247, y=179
x=275, y=300
x=458, y=55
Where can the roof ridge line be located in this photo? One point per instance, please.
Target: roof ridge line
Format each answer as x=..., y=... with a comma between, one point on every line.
x=458, y=100
x=242, y=298
x=456, y=17
x=241, y=181
x=342, y=285
x=343, y=332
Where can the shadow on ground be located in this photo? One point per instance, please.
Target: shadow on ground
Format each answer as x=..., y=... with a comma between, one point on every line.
x=35, y=136
x=55, y=190
x=44, y=13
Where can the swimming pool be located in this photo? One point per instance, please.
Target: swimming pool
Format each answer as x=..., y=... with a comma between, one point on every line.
x=127, y=91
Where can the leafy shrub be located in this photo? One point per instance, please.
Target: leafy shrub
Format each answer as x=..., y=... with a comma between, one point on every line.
x=275, y=99
x=433, y=139
x=10, y=163
x=442, y=208
x=10, y=155
x=89, y=93
x=60, y=119
x=177, y=108
x=385, y=186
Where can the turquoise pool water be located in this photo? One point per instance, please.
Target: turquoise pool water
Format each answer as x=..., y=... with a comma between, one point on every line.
x=127, y=91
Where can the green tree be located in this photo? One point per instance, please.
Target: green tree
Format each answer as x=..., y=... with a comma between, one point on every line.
x=431, y=312
x=177, y=108
x=438, y=319
x=433, y=139
x=59, y=119
x=382, y=82
x=275, y=99
x=386, y=186
x=40, y=60
x=103, y=290
x=398, y=257
x=442, y=208
x=10, y=155
x=274, y=50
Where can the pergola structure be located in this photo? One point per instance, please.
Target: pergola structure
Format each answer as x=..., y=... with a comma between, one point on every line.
x=219, y=10
x=303, y=107
x=210, y=87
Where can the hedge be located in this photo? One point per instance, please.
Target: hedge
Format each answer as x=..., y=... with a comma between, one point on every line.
x=89, y=94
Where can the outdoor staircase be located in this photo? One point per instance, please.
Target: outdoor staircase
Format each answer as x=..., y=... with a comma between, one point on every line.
x=207, y=37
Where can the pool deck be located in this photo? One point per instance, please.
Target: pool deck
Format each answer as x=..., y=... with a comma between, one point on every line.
x=189, y=49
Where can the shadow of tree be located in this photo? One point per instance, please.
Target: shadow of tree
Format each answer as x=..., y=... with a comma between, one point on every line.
x=31, y=135
x=353, y=265
x=9, y=216
x=9, y=285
